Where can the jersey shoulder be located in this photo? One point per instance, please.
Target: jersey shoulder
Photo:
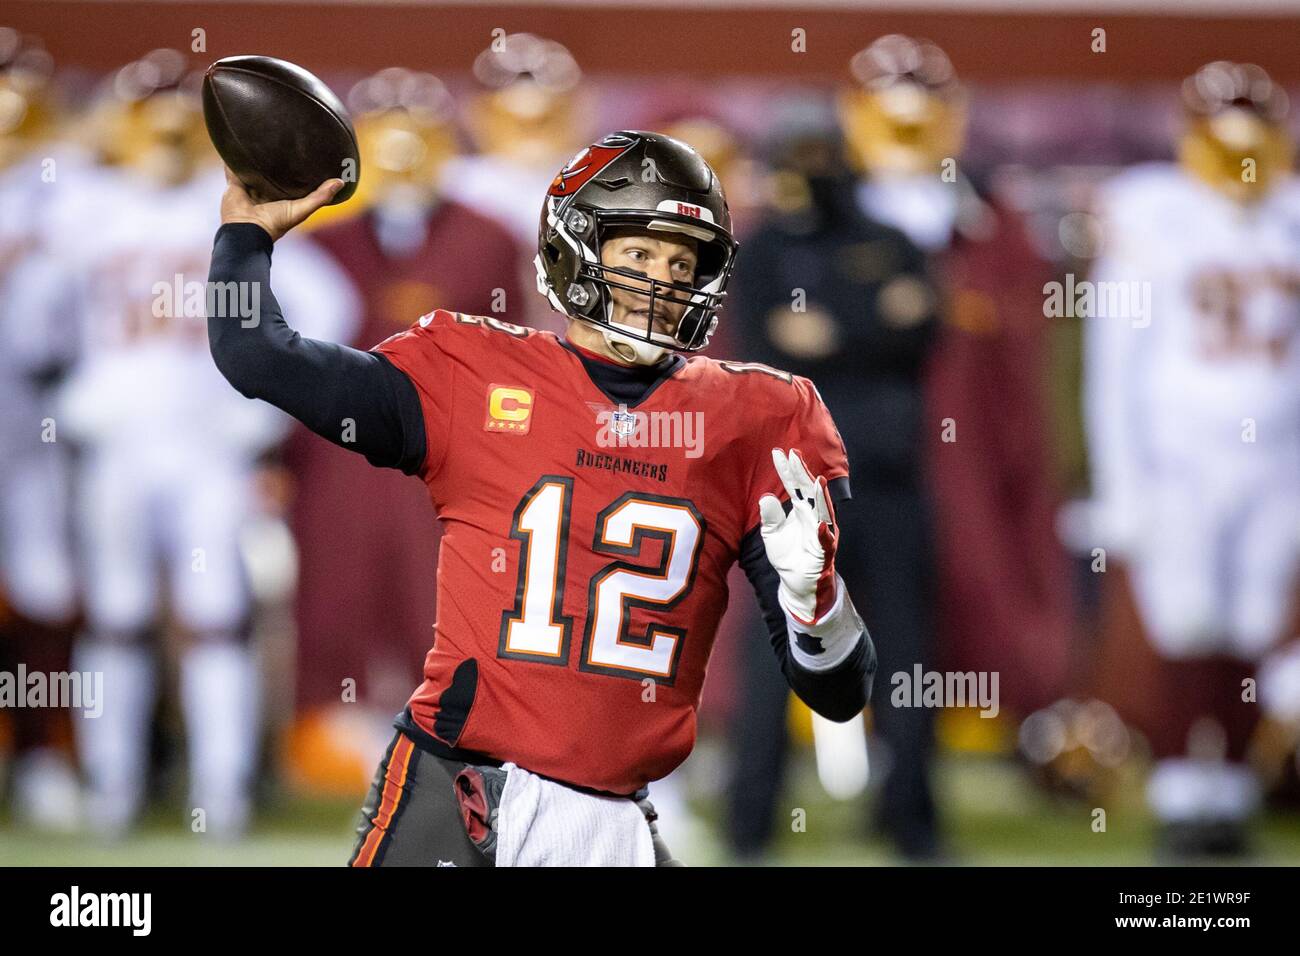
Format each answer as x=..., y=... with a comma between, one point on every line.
x=1143, y=178
x=758, y=396
x=762, y=408
x=469, y=340
x=1285, y=198
x=1137, y=191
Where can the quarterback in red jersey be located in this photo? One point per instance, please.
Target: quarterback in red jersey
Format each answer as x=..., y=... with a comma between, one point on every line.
x=594, y=491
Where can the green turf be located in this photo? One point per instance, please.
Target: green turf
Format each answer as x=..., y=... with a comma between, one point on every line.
x=995, y=816
x=289, y=832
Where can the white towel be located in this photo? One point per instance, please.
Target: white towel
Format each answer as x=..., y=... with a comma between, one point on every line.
x=543, y=823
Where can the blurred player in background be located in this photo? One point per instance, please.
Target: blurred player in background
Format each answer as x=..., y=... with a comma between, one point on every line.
x=830, y=293
x=166, y=455
x=1194, y=423
x=37, y=594
x=523, y=122
x=409, y=249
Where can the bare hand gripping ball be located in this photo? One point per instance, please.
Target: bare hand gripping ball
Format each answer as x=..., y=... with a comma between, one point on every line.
x=280, y=130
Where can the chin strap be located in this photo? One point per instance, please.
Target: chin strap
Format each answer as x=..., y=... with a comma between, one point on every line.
x=630, y=349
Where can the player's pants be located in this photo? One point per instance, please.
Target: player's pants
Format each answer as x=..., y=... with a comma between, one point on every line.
x=184, y=513
x=1215, y=571
x=411, y=816
x=36, y=567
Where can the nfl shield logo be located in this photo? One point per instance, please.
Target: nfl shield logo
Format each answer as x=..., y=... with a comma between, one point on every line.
x=622, y=423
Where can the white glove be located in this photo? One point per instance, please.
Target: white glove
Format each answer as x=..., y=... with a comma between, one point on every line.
x=801, y=544
x=823, y=624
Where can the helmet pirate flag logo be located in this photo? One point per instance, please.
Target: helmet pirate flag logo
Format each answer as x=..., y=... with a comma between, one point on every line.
x=583, y=167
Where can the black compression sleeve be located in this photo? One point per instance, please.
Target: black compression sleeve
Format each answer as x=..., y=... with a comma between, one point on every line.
x=837, y=694
x=356, y=399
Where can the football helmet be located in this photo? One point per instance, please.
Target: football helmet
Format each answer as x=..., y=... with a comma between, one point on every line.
x=149, y=119
x=908, y=111
x=27, y=107
x=648, y=181
x=529, y=100
x=404, y=124
x=1236, y=120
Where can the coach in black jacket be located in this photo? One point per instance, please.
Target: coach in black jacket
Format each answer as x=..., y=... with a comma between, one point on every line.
x=828, y=293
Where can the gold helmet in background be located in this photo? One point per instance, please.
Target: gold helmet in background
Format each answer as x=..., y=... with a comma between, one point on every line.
x=719, y=146
x=526, y=112
x=727, y=153
x=148, y=117
x=907, y=112
x=404, y=123
x=27, y=108
x=1235, y=137
x=405, y=128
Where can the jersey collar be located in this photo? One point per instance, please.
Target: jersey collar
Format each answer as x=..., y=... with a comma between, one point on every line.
x=628, y=385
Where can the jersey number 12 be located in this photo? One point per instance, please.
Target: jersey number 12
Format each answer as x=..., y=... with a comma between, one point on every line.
x=536, y=629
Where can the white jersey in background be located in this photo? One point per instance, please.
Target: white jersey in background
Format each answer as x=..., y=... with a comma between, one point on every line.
x=509, y=193
x=141, y=260
x=168, y=445
x=1193, y=405
x=35, y=558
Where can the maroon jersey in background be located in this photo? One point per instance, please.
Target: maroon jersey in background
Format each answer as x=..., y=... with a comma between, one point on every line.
x=580, y=582
x=1004, y=579
x=367, y=538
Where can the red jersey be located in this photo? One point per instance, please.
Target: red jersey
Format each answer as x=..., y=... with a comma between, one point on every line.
x=585, y=544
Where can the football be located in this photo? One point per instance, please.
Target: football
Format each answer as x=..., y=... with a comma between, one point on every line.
x=280, y=129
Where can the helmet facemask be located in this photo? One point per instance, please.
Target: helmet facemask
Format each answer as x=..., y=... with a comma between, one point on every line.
x=590, y=293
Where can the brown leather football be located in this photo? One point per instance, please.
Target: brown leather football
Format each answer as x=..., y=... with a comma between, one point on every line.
x=280, y=130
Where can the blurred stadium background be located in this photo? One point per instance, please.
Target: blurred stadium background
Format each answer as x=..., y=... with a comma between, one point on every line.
x=465, y=112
